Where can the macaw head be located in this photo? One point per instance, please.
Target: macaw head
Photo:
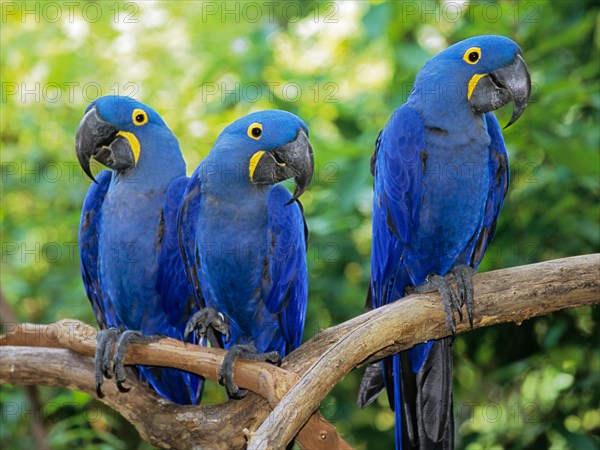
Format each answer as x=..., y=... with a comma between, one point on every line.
x=488, y=70
x=124, y=134
x=270, y=147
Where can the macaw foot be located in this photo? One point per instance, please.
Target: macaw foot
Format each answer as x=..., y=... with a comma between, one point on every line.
x=450, y=300
x=106, y=341
x=247, y=351
x=127, y=338
x=463, y=275
x=207, y=318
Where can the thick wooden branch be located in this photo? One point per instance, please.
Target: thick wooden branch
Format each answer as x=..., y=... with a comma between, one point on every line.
x=507, y=295
x=267, y=380
x=160, y=422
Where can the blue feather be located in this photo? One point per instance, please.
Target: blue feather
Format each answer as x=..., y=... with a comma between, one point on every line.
x=91, y=219
x=441, y=175
x=244, y=246
x=288, y=276
x=131, y=264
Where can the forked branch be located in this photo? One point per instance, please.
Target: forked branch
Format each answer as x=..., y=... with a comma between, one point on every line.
x=306, y=376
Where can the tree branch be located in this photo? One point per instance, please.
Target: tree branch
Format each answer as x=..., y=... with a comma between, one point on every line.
x=269, y=381
x=38, y=429
x=508, y=295
x=160, y=422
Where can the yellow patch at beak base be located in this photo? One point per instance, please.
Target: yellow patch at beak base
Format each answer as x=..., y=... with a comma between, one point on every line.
x=473, y=83
x=254, y=162
x=133, y=142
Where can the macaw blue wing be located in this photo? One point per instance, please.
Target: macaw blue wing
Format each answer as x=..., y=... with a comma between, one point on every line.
x=398, y=163
x=178, y=301
x=187, y=230
x=286, y=286
x=89, y=232
x=172, y=281
x=498, y=186
x=499, y=180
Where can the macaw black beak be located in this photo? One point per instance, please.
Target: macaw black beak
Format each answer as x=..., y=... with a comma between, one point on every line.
x=102, y=141
x=292, y=160
x=496, y=89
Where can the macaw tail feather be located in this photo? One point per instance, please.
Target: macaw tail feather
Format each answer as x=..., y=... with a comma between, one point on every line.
x=168, y=383
x=396, y=370
x=419, y=387
x=371, y=385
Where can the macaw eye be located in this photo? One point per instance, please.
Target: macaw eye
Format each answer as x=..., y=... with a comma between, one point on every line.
x=139, y=117
x=472, y=55
x=255, y=131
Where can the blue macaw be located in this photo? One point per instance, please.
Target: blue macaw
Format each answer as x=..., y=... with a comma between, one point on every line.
x=130, y=260
x=441, y=175
x=244, y=238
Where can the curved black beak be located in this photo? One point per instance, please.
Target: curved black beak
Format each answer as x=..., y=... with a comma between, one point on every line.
x=292, y=160
x=496, y=89
x=99, y=139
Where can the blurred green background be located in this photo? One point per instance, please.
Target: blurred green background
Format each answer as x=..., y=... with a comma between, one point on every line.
x=343, y=67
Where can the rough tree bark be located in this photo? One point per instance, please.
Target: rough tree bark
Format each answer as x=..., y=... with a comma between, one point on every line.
x=47, y=355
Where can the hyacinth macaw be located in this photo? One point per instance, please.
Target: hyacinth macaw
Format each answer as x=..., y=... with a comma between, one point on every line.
x=244, y=238
x=441, y=174
x=130, y=260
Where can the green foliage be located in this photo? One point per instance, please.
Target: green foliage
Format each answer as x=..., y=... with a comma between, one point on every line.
x=343, y=67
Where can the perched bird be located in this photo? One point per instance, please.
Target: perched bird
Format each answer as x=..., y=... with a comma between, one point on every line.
x=244, y=238
x=441, y=175
x=130, y=260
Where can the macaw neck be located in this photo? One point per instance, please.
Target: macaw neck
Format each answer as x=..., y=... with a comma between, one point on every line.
x=229, y=181
x=159, y=163
x=442, y=103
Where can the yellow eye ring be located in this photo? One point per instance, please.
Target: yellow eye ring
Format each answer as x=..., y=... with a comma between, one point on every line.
x=254, y=131
x=139, y=117
x=472, y=55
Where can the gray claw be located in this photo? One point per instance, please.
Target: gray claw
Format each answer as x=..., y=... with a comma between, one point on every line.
x=106, y=341
x=121, y=387
x=247, y=351
x=127, y=338
x=203, y=320
x=464, y=281
x=450, y=300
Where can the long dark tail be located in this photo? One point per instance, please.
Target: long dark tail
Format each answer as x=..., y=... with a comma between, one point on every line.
x=425, y=418
x=419, y=387
x=422, y=401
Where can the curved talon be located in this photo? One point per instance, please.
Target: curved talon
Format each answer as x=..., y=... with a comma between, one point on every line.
x=106, y=365
x=106, y=341
x=274, y=358
x=240, y=394
x=245, y=351
x=207, y=318
x=450, y=301
x=189, y=327
x=127, y=338
x=227, y=381
x=460, y=314
x=121, y=387
x=464, y=281
x=223, y=327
